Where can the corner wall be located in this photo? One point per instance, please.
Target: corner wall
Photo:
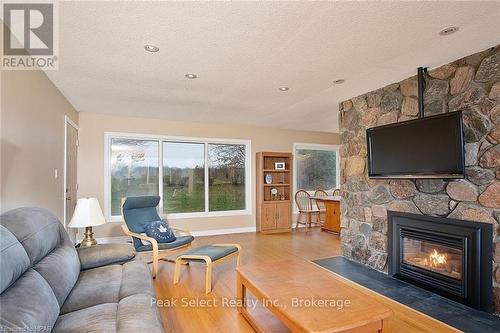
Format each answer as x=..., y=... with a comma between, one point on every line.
x=32, y=141
x=470, y=84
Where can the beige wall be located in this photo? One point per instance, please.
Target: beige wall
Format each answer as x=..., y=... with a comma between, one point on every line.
x=91, y=161
x=32, y=141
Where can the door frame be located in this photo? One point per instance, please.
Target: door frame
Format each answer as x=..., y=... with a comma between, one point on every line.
x=67, y=122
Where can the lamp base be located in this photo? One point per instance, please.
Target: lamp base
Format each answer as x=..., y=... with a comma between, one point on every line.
x=88, y=239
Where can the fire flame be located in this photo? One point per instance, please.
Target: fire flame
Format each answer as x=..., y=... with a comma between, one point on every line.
x=437, y=259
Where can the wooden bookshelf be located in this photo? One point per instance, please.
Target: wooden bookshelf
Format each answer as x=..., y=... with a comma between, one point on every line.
x=274, y=212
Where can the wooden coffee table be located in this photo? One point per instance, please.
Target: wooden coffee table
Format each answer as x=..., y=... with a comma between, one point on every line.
x=306, y=298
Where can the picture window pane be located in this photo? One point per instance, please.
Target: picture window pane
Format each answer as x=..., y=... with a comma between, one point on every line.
x=316, y=169
x=226, y=169
x=183, y=177
x=134, y=170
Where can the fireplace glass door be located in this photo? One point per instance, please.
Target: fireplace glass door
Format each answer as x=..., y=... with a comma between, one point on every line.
x=437, y=258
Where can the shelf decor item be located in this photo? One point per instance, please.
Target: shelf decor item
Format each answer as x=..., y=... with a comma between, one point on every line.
x=274, y=192
x=279, y=165
x=87, y=214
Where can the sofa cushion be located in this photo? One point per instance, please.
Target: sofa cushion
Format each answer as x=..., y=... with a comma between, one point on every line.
x=47, y=246
x=97, y=318
x=61, y=280
x=35, y=228
x=14, y=260
x=105, y=254
x=136, y=279
x=94, y=286
x=109, y=284
x=27, y=304
x=137, y=313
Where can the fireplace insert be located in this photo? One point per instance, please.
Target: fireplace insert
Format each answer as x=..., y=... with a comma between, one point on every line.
x=447, y=256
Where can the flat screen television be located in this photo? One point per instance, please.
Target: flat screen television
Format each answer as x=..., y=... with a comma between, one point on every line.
x=430, y=147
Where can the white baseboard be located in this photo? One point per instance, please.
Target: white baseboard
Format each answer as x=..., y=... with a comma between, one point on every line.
x=200, y=233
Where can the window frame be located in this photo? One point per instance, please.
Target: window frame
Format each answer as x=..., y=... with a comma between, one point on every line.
x=108, y=136
x=313, y=146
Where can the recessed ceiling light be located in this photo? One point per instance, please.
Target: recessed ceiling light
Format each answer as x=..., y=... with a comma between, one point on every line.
x=283, y=88
x=191, y=76
x=339, y=81
x=151, y=48
x=448, y=31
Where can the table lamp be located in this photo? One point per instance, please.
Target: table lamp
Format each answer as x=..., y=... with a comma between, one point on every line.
x=87, y=214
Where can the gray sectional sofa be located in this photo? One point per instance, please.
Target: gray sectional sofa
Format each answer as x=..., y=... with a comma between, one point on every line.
x=48, y=285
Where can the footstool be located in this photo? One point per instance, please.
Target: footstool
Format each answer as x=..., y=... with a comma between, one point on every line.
x=210, y=254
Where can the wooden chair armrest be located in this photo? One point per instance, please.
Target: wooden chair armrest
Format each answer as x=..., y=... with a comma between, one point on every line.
x=151, y=240
x=180, y=231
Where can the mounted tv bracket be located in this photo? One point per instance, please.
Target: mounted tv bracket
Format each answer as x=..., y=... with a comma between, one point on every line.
x=421, y=72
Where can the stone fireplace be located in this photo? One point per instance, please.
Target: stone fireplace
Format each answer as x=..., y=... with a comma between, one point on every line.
x=470, y=84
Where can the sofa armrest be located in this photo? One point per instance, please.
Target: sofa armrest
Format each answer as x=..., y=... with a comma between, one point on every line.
x=105, y=254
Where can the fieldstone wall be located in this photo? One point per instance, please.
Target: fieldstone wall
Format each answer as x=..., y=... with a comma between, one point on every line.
x=471, y=84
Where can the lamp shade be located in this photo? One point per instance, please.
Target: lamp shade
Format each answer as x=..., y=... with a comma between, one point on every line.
x=87, y=213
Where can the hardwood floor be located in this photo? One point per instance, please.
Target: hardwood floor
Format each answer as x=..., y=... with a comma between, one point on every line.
x=216, y=315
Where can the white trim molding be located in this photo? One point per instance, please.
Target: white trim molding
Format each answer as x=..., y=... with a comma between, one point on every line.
x=165, y=138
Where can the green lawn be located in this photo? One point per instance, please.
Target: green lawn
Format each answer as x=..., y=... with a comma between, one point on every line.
x=226, y=197
x=179, y=200
x=222, y=197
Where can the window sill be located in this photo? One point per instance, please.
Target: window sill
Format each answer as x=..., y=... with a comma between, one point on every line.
x=180, y=216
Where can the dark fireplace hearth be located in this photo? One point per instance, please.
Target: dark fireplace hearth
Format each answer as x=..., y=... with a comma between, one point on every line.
x=447, y=256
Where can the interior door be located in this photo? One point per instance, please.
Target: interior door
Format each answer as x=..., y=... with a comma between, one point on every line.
x=284, y=216
x=71, y=170
x=268, y=217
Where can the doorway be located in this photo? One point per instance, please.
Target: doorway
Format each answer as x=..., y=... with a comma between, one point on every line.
x=70, y=172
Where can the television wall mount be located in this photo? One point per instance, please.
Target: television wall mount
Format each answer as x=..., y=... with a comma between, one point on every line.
x=421, y=73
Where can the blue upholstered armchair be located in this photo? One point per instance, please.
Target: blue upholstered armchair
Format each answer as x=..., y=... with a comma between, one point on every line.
x=138, y=212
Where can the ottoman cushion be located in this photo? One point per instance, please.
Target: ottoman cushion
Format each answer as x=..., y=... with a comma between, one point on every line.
x=212, y=251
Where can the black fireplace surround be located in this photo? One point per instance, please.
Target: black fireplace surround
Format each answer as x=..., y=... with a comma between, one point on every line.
x=447, y=256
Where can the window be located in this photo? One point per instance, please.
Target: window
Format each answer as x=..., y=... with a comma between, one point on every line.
x=183, y=177
x=316, y=167
x=134, y=170
x=193, y=177
x=226, y=170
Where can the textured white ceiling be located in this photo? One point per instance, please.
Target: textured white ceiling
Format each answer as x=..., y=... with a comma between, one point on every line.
x=243, y=51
